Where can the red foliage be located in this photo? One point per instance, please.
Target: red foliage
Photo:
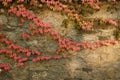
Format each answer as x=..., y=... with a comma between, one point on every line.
x=12, y=50
x=5, y=67
x=25, y=36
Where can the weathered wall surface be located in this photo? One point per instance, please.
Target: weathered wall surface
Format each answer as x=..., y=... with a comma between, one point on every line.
x=100, y=64
x=105, y=13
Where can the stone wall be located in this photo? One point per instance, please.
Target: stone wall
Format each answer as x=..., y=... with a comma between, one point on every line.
x=100, y=64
